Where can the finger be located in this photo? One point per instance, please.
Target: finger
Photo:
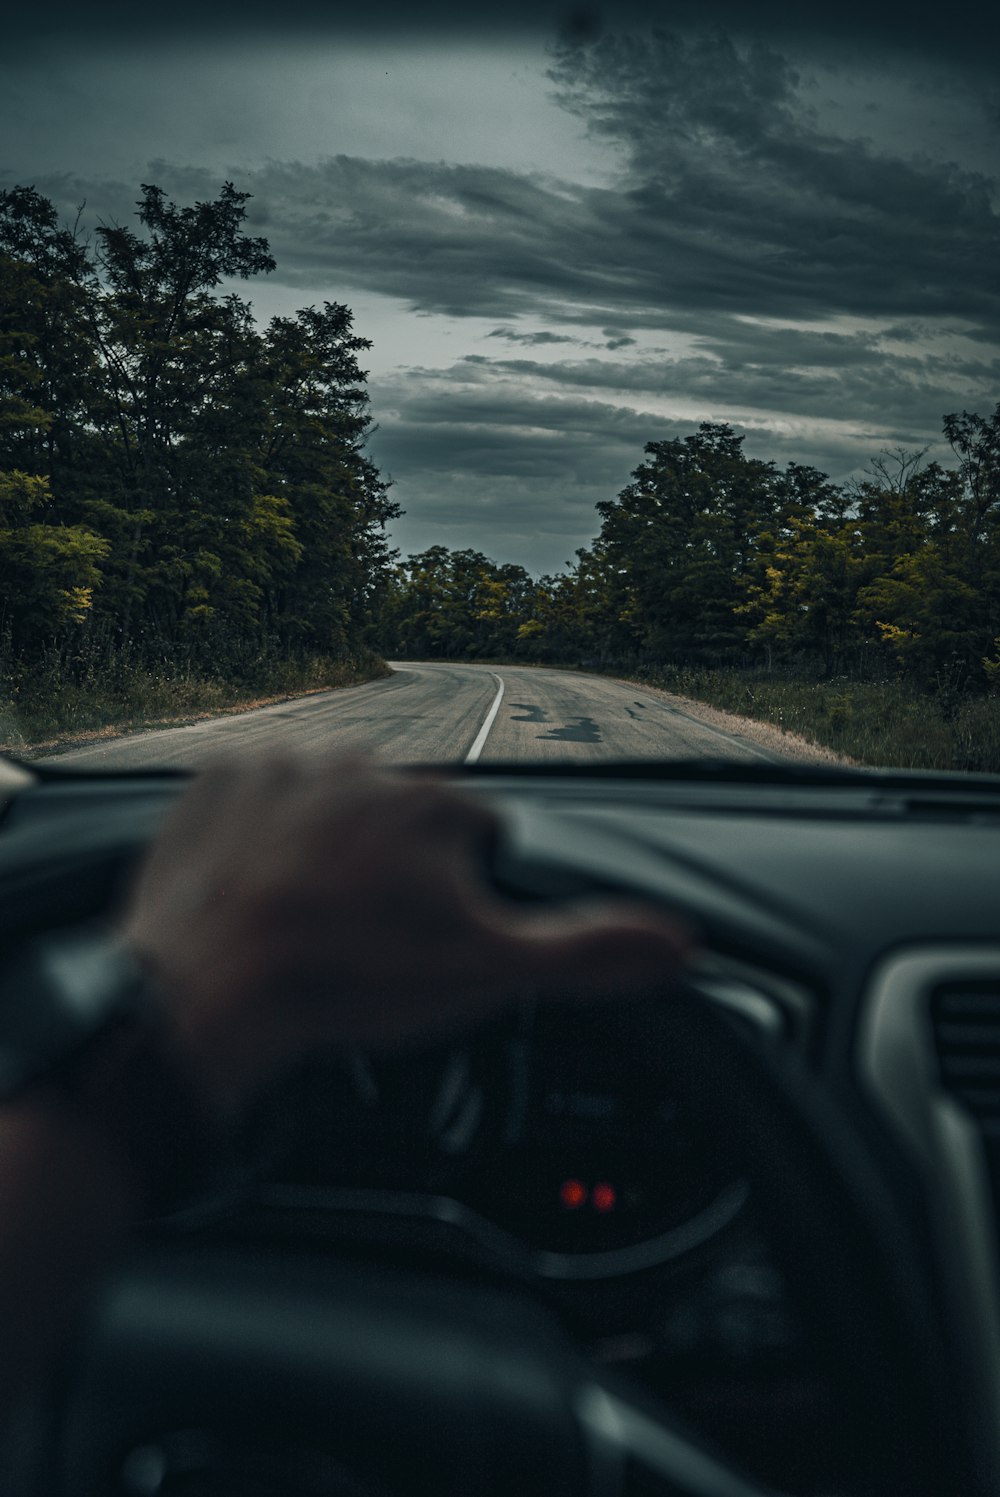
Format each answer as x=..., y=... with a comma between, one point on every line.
x=593, y=949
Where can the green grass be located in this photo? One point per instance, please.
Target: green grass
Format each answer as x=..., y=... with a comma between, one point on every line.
x=883, y=723
x=49, y=707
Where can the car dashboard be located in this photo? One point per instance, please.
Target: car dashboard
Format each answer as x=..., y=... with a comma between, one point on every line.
x=846, y=923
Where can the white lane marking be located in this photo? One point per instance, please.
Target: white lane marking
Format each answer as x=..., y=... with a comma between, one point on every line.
x=484, y=731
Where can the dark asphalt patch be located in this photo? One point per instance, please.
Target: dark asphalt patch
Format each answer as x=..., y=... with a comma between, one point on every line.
x=577, y=730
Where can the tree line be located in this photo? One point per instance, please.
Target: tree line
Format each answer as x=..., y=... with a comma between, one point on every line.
x=711, y=558
x=185, y=490
x=177, y=486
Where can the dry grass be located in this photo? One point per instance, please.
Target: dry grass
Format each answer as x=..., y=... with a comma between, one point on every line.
x=49, y=712
x=766, y=735
x=882, y=723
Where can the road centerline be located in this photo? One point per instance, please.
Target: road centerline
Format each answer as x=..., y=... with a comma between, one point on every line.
x=484, y=732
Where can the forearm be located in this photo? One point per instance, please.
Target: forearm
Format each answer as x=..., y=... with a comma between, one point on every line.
x=68, y=1197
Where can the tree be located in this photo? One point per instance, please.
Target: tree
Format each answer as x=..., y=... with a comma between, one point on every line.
x=167, y=346
x=48, y=573
x=805, y=604
x=49, y=365
x=207, y=480
x=460, y=604
x=680, y=543
x=975, y=440
x=312, y=457
x=928, y=586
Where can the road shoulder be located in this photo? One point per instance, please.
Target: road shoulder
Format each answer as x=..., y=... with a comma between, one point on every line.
x=763, y=735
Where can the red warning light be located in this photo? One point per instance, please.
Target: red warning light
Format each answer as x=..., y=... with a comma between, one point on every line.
x=603, y=1197
x=573, y=1194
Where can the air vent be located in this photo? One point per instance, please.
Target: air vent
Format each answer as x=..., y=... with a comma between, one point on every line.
x=966, y=1020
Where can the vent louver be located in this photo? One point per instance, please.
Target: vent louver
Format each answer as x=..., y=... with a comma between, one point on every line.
x=966, y=1021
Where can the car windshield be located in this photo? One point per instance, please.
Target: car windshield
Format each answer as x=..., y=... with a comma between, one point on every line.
x=578, y=383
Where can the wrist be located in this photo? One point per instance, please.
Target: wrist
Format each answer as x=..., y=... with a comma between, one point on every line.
x=136, y=1086
x=223, y=1028
x=85, y=1024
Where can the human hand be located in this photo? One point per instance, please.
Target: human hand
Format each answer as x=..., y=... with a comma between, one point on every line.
x=294, y=902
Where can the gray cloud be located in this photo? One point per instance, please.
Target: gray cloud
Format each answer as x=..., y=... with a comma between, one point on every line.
x=487, y=454
x=816, y=232
x=741, y=195
x=533, y=340
x=903, y=24
x=614, y=338
x=480, y=461
x=896, y=393
x=497, y=427
x=730, y=197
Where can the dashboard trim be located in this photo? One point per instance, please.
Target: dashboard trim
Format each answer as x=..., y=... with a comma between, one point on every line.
x=14, y=778
x=898, y=1066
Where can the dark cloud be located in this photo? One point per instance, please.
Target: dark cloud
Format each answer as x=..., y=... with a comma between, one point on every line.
x=905, y=24
x=533, y=340
x=826, y=285
x=896, y=393
x=497, y=426
x=611, y=338
x=512, y=457
x=614, y=339
x=718, y=139
x=730, y=199
x=480, y=460
x=473, y=241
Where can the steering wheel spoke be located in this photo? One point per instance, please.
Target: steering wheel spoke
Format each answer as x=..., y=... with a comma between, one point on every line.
x=631, y=1448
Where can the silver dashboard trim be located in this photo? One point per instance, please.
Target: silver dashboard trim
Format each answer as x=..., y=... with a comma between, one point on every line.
x=777, y=1007
x=620, y=1436
x=13, y=779
x=898, y=1067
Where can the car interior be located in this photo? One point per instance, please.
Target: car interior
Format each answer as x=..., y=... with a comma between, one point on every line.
x=735, y=1236
x=731, y=1237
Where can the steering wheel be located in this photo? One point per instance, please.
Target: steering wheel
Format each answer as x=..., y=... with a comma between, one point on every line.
x=283, y=1371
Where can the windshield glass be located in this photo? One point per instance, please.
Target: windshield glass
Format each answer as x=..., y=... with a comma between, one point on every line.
x=574, y=384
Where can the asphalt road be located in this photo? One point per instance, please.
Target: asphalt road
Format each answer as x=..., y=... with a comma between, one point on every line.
x=444, y=714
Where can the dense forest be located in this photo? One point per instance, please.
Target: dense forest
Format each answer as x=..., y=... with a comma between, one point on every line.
x=183, y=491
x=178, y=487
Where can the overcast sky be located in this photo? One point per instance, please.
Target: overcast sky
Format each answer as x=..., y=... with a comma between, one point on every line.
x=565, y=248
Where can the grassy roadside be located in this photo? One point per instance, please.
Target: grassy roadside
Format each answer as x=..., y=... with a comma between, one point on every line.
x=47, y=711
x=879, y=723
x=884, y=724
